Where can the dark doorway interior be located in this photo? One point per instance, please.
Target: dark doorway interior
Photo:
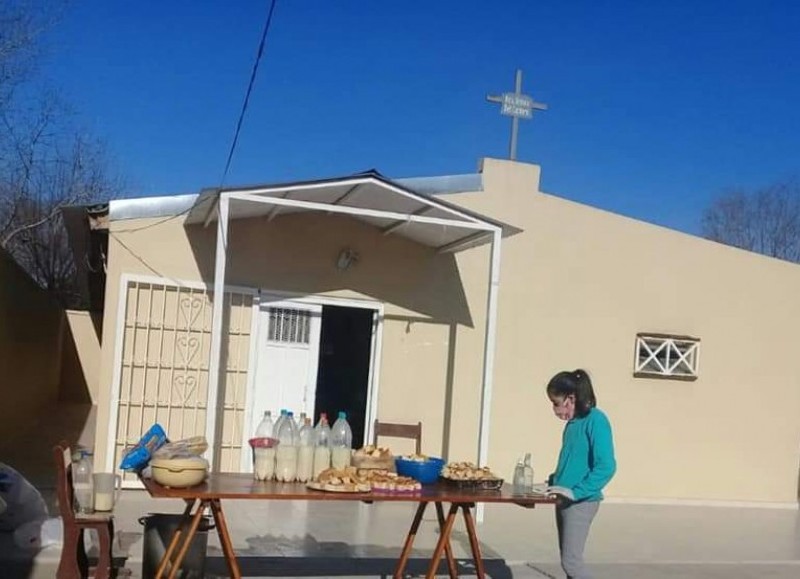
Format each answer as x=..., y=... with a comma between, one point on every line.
x=343, y=374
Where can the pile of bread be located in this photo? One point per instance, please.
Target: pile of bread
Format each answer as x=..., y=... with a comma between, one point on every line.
x=373, y=457
x=352, y=479
x=467, y=471
x=373, y=451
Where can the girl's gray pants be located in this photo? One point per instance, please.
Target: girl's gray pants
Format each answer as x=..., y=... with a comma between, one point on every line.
x=573, y=521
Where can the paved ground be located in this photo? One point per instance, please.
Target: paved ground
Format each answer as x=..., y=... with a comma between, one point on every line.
x=286, y=539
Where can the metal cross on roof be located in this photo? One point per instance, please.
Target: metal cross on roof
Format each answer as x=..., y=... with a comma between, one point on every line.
x=517, y=106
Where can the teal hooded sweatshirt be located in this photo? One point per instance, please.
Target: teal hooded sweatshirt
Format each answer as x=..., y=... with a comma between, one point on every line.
x=586, y=462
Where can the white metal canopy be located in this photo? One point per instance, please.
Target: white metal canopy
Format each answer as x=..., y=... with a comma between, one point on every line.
x=373, y=200
x=369, y=198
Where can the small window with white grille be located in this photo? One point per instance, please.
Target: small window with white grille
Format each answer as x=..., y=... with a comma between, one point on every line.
x=666, y=356
x=289, y=326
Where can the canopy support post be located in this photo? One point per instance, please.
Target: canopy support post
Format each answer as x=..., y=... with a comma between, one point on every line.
x=218, y=302
x=489, y=342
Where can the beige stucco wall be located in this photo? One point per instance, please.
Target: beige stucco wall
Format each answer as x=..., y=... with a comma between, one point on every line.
x=576, y=287
x=80, y=372
x=30, y=349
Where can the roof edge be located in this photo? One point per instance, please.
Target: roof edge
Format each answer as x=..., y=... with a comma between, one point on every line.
x=168, y=205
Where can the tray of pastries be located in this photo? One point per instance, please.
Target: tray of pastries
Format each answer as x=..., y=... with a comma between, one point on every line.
x=467, y=475
x=384, y=481
x=346, y=480
x=354, y=480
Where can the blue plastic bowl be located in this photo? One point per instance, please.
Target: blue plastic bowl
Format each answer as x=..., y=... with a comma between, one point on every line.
x=426, y=472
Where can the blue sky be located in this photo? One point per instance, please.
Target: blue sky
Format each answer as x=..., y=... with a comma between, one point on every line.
x=654, y=107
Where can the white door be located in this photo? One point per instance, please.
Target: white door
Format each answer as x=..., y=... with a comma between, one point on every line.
x=287, y=357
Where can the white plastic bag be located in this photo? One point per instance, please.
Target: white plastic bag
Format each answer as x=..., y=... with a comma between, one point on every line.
x=23, y=503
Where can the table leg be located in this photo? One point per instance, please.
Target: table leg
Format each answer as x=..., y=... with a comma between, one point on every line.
x=448, y=548
x=198, y=514
x=444, y=539
x=173, y=543
x=473, y=540
x=225, y=539
x=412, y=533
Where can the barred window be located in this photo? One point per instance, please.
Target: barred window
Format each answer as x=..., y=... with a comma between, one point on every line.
x=666, y=356
x=289, y=326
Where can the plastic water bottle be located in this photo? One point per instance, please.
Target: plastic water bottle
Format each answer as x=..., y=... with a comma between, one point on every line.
x=265, y=427
x=300, y=422
x=278, y=422
x=341, y=442
x=305, y=452
x=519, y=478
x=264, y=457
x=323, y=419
x=286, y=453
x=523, y=476
x=528, y=474
x=82, y=483
x=322, y=445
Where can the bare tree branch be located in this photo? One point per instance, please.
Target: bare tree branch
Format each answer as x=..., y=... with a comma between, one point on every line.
x=46, y=163
x=32, y=224
x=765, y=221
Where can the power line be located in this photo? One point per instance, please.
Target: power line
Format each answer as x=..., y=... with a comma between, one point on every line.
x=249, y=90
x=253, y=74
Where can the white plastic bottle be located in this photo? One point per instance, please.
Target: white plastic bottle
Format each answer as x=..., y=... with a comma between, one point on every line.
x=305, y=452
x=278, y=423
x=300, y=421
x=528, y=474
x=341, y=442
x=264, y=463
x=82, y=483
x=322, y=446
x=286, y=453
x=264, y=458
x=266, y=425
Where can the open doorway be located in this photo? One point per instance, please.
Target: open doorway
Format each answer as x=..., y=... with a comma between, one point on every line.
x=344, y=366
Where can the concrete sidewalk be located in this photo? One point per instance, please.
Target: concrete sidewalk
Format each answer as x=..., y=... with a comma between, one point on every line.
x=314, y=539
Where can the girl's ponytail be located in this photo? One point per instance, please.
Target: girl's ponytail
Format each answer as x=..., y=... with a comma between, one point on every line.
x=578, y=384
x=585, y=398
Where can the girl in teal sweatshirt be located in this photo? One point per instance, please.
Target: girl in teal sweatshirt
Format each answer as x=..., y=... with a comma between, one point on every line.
x=585, y=464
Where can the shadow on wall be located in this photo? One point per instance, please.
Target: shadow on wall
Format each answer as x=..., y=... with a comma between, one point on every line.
x=44, y=400
x=31, y=326
x=299, y=253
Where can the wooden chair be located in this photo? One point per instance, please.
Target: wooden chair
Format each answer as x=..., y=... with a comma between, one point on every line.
x=412, y=431
x=74, y=563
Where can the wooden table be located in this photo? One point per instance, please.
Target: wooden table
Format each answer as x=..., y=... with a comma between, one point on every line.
x=220, y=486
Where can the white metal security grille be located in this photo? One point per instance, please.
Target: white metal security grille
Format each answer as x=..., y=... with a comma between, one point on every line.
x=163, y=367
x=667, y=356
x=290, y=326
